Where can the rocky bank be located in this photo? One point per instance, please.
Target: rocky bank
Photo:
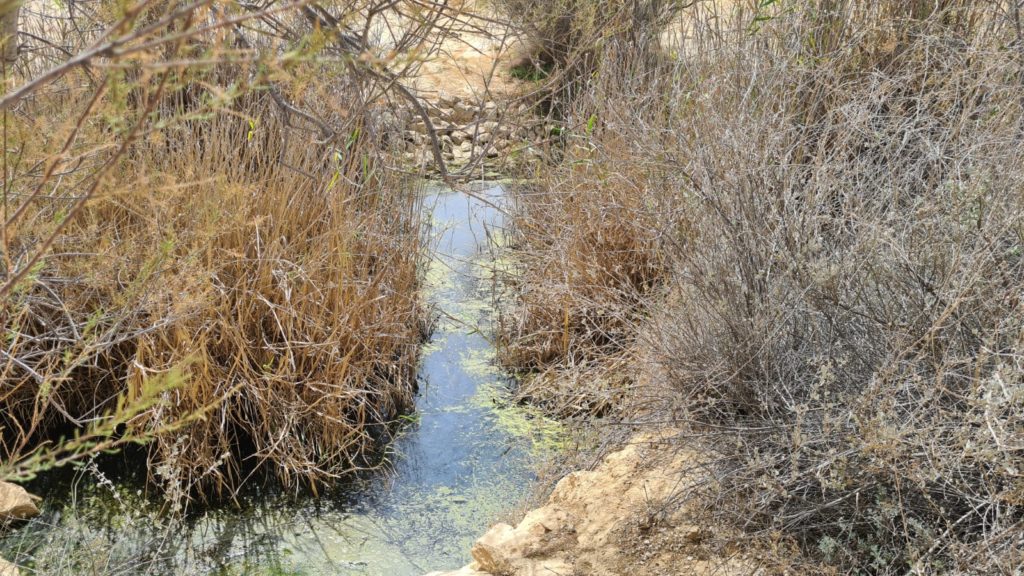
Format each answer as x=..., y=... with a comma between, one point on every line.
x=617, y=519
x=474, y=133
x=15, y=504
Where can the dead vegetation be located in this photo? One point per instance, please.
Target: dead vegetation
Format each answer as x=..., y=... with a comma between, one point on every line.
x=207, y=244
x=808, y=214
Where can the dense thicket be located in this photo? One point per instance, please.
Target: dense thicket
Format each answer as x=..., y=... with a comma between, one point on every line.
x=809, y=214
x=206, y=243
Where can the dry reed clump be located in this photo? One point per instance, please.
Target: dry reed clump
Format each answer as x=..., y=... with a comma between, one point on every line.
x=264, y=279
x=585, y=248
x=836, y=190
x=287, y=303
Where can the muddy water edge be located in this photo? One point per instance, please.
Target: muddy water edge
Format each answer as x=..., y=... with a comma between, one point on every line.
x=465, y=457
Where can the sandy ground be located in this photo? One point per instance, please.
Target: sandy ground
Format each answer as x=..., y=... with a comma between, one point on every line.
x=469, y=66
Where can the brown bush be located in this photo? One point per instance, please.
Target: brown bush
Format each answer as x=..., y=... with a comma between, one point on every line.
x=836, y=196
x=243, y=273
x=586, y=261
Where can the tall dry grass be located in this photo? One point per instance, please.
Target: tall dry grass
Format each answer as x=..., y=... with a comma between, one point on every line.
x=833, y=189
x=587, y=257
x=242, y=276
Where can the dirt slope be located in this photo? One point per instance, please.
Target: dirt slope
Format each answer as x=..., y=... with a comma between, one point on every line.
x=613, y=520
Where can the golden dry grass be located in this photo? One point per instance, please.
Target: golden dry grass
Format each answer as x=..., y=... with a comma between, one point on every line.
x=262, y=273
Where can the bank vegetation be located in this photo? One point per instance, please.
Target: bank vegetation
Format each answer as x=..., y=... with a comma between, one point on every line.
x=207, y=247
x=793, y=230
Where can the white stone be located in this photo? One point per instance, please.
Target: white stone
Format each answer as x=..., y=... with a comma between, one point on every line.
x=16, y=503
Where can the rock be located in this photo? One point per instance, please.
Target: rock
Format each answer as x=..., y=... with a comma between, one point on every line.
x=447, y=100
x=484, y=138
x=462, y=113
x=16, y=503
x=692, y=534
x=463, y=152
x=505, y=550
x=8, y=569
x=420, y=157
x=464, y=571
x=459, y=136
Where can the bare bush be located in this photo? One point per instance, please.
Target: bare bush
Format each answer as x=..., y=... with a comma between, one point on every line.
x=575, y=298
x=836, y=194
x=565, y=40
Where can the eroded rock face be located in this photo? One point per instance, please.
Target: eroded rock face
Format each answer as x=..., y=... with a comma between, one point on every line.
x=16, y=503
x=598, y=523
x=535, y=541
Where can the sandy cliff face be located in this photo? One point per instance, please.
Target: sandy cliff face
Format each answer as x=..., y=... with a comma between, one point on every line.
x=616, y=519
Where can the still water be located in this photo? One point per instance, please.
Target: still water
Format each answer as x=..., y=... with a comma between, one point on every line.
x=465, y=457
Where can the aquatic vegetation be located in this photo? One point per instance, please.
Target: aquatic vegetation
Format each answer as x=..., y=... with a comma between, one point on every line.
x=547, y=436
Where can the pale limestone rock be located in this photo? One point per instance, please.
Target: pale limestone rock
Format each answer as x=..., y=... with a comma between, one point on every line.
x=16, y=503
x=463, y=152
x=8, y=569
x=507, y=550
x=462, y=113
x=447, y=100
x=464, y=571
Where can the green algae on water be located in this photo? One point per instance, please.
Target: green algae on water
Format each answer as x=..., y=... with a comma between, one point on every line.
x=546, y=436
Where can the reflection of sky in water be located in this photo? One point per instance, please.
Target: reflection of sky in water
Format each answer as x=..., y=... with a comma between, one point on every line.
x=463, y=463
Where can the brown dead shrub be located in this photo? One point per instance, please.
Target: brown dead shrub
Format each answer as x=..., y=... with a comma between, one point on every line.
x=251, y=252
x=835, y=195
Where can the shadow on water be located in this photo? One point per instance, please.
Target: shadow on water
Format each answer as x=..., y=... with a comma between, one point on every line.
x=464, y=459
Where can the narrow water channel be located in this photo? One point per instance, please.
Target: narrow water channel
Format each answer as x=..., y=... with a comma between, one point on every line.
x=464, y=459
